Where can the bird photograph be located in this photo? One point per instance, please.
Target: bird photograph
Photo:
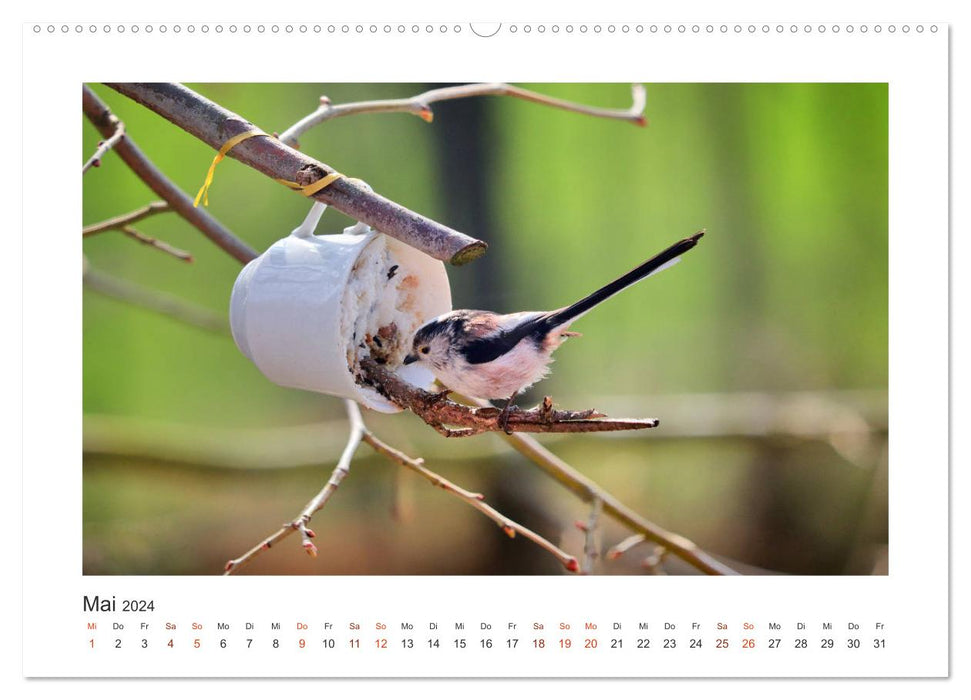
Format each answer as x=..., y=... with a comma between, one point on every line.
x=319, y=325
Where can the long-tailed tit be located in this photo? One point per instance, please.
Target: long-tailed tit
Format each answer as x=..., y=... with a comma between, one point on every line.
x=494, y=356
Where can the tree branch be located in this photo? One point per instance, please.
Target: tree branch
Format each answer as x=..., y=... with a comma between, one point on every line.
x=359, y=433
x=104, y=147
x=124, y=223
x=588, y=490
x=299, y=524
x=617, y=551
x=419, y=105
x=476, y=500
x=132, y=217
x=98, y=114
x=155, y=243
x=591, y=546
x=215, y=125
x=439, y=412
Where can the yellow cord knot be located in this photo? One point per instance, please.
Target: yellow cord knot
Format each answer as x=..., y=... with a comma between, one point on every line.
x=226, y=148
x=306, y=190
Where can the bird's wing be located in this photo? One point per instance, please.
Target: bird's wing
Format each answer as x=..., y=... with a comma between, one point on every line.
x=504, y=336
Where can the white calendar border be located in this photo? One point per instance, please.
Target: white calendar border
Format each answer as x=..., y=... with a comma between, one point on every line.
x=671, y=58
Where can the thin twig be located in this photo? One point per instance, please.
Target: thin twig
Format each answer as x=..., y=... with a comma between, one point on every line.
x=132, y=217
x=98, y=114
x=591, y=548
x=654, y=563
x=419, y=105
x=400, y=509
x=162, y=246
x=124, y=223
x=587, y=490
x=359, y=433
x=343, y=464
x=440, y=413
x=476, y=500
x=627, y=543
x=104, y=147
x=299, y=524
x=152, y=300
x=216, y=125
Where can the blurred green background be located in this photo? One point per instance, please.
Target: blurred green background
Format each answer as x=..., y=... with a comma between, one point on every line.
x=764, y=353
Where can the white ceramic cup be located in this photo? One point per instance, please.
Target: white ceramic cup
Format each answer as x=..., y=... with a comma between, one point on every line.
x=296, y=308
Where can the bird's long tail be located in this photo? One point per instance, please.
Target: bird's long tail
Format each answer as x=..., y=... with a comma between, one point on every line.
x=664, y=259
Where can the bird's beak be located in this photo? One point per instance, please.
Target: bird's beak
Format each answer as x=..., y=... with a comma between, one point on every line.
x=410, y=358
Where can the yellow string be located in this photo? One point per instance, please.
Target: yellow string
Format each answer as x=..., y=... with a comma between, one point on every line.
x=226, y=148
x=314, y=187
x=306, y=190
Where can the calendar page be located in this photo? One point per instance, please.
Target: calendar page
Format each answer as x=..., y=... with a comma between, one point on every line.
x=290, y=403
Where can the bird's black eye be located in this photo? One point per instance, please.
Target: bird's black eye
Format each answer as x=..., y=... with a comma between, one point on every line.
x=424, y=350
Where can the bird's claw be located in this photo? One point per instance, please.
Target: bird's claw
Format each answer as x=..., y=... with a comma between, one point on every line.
x=504, y=419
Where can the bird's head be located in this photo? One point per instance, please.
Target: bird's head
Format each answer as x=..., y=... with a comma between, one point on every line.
x=432, y=345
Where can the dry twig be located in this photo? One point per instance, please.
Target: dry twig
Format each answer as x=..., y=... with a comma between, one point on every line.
x=617, y=551
x=300, y=523
x=132, y=217
x=98, y=114
x=103, y=147
x=439, y=412
x=359, y=433
x=124, y=223
x=654, y=563
x=591, y=548
x=587, y=490
x=155, y=243
x=215, y=126
x=476, y=500
x=420, y=105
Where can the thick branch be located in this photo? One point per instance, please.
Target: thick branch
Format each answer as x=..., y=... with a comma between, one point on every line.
x=215, y=125
x=419, y=105
x=102, y=118
x=440, y=413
